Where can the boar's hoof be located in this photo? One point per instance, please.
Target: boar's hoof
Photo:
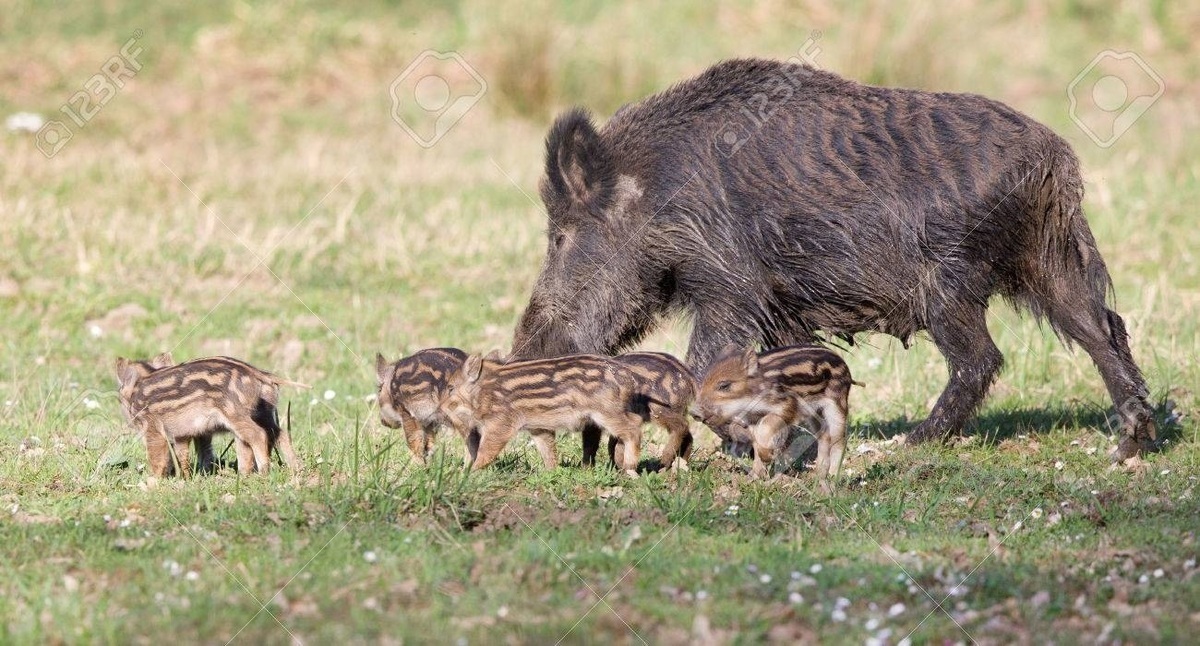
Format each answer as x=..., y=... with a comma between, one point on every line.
x=1131, y=446
x=632, y=473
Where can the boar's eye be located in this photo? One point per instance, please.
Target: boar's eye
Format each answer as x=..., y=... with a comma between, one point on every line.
x=559, y=239
x=724, y=386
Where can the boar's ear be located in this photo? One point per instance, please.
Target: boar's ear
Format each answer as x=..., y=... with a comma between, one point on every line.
x=494, y=355
x=579, y=169
x=382, y=369
x=750, y=362
x=164, y=360
x=473, y=368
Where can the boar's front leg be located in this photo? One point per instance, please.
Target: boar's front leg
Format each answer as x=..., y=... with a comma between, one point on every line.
x=959, y=329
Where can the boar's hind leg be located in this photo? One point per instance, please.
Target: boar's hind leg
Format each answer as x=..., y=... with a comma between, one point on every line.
x=959, y=329
x=1101, y=333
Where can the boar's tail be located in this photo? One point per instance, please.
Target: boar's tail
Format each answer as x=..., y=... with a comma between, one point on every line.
x=1070, y=270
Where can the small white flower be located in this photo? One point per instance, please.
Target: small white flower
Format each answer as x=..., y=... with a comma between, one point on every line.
x=90, y=403
x=871, y=624
x=1091, y=450
x=701, y=595
x=765, y=579
x=896, y=610
x=1158, y=573
x=732, y=510
x=795, y=598
x=370, y=557
x=838, y=615
x=1187, y=565
x=502, y=612
x=1145, y=578
x=904, y=642
x=1059, y=464
x=795, y=574
x=816, y=567
x=842, y=602
x=329, y=394
x=192, y=575
x=1036, y=513
x=1164, y=472
x=874, y=362
x=95, y=331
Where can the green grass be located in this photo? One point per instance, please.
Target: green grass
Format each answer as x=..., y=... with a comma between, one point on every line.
x=258, y=133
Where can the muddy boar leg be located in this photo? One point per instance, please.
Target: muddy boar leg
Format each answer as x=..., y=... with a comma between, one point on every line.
x=544, y=441
x=766, y=436
x=960, y=332
x=591, y=443
x=492, y=440
x=1104, y=338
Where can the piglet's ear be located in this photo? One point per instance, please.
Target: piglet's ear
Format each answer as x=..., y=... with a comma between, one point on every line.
x=579, y=168
x=750, y=362
x=473, y=368
x=164, y=360
x=127, y=373
x=383, y=369
x=494, y=355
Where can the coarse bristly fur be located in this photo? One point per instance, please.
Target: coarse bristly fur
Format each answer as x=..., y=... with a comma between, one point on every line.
x=488, y=401
x=410, y=391
x=769, y=393
x=175, y=404
x=779, y=204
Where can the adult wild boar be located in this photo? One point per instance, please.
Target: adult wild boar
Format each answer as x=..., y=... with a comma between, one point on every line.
x=772, y=201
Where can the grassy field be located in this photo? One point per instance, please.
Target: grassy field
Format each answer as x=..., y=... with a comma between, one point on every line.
x=248, y=192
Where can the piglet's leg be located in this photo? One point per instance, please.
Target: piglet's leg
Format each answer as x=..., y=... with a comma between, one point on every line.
x=835, y=427
x=544, y=441
x=245, y=457
x=766, y=435
x=492, y=440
